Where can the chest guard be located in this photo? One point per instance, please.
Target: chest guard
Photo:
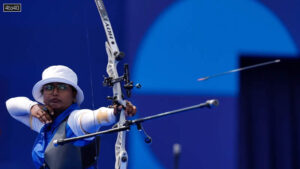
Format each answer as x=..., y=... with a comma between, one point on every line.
x=69, y=156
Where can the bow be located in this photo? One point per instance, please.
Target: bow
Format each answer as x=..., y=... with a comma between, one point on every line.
x=114, y=81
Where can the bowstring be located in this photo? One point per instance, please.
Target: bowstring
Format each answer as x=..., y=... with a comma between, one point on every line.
x=92, y=87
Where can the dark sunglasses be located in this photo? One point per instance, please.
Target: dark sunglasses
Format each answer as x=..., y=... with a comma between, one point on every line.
x=50, y=87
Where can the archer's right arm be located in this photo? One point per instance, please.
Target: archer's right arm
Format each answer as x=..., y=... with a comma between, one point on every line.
x=19, y=108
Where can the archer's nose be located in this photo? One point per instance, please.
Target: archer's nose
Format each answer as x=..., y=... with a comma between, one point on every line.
x=55, y=91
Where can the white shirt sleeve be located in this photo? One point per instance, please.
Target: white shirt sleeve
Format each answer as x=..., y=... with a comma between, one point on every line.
x=86, y=121
x=80, y=121
x=19, y=108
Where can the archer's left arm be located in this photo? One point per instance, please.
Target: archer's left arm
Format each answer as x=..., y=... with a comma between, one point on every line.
x=87, y=121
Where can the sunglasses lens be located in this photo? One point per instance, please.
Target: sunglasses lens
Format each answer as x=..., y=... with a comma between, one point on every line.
x=48, y=87
x=62, y=87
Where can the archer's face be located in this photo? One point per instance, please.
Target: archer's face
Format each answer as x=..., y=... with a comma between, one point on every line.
x=59, y=96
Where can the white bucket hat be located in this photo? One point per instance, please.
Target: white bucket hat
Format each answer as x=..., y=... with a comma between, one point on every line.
x=61, y=74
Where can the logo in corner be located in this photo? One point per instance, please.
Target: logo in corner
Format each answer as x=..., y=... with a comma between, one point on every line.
x=12, y=7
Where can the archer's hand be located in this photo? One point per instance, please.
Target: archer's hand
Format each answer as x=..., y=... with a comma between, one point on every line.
x=130, y=109
x=43, y=113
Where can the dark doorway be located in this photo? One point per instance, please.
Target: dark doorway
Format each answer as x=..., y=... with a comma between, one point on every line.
x=269, y=127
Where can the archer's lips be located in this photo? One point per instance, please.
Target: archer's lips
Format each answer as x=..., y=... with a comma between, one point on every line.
x=55, y=101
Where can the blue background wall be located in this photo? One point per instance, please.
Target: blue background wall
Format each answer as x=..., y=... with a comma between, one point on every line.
x=169, y=44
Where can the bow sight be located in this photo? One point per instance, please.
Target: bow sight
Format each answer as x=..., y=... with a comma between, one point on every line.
x=127, y=85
